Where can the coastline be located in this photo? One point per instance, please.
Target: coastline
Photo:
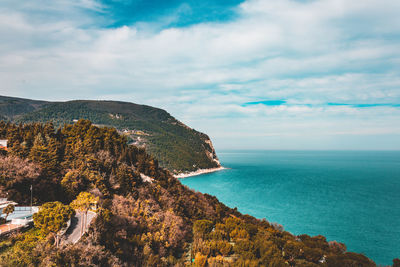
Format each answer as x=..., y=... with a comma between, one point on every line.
x=198, y=172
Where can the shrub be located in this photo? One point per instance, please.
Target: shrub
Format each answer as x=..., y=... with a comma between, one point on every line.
x=202, y=227
x=200, y=260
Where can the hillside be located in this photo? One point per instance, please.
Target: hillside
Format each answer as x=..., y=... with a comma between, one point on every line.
x=12, y=107
x=177, y=147
x=139, y=222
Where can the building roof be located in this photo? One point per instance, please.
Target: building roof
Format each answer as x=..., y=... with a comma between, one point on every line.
x=3, y=144
x=4, y=202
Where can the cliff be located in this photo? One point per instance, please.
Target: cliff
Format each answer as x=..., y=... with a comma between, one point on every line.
x=176, y=146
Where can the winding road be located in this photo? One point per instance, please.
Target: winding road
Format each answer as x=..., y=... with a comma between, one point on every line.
x=73, y=233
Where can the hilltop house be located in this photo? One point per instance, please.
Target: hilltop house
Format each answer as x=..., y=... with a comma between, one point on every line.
x=3, y=144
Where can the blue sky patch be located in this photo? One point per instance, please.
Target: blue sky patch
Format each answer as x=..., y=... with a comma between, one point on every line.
x=365, y=105
x=173, y=13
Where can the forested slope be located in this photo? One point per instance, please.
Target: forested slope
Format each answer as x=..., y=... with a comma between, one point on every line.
x=177, y=147
x=156, y=223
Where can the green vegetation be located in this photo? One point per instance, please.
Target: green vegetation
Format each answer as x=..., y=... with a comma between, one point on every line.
x=177, y=147
x=12, y=107
x=264, y=245
x=52, y=217
x=7, y=210
x=23, y=249
x=138, y=223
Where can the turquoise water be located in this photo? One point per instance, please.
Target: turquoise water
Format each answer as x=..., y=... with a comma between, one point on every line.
x=348, y=196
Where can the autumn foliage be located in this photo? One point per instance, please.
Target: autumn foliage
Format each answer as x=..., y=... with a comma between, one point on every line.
x=138, y=223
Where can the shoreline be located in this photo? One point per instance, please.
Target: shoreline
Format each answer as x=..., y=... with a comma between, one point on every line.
x=198, y=172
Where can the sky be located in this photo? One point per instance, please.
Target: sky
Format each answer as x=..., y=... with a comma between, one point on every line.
x=252, y=74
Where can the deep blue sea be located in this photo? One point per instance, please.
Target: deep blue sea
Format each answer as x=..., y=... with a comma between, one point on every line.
x=348, y=196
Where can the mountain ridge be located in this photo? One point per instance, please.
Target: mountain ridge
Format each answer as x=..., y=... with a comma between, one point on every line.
x=177, y=147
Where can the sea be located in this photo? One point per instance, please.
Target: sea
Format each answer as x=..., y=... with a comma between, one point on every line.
x=348, y=196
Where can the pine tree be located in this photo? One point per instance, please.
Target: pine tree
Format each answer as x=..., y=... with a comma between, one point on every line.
x=53, y=157
x=39, y=149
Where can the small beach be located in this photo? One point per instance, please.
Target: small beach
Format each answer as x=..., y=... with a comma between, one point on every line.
x=198, y=172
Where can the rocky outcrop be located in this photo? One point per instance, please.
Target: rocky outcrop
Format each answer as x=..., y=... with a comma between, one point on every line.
x=210, y=151
x=176, y=146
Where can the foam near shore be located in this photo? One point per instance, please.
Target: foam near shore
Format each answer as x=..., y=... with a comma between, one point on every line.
x=199, y=172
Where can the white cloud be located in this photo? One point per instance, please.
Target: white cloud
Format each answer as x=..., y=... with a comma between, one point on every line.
x=308, y=52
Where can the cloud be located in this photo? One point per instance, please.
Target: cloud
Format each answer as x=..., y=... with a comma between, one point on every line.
x=365, y=105
x=305, y=53
x=265, y=102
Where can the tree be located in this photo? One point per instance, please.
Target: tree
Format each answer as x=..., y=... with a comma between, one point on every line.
x=45, y=151
x=39, y=150
x=52, y=163
x=9, y=209
x=200, y=260
x=52, y=217
x=16, y=176
x=83, y=203
x=14, y=170
x=224, y=247
x=202, y=227
x=74, y=181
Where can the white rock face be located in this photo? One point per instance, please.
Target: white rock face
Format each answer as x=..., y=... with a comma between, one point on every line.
x=211, y=154
x=146, y=178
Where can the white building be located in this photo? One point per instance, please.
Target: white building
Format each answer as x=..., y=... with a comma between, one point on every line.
x=3, y=143
x=21, y=215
